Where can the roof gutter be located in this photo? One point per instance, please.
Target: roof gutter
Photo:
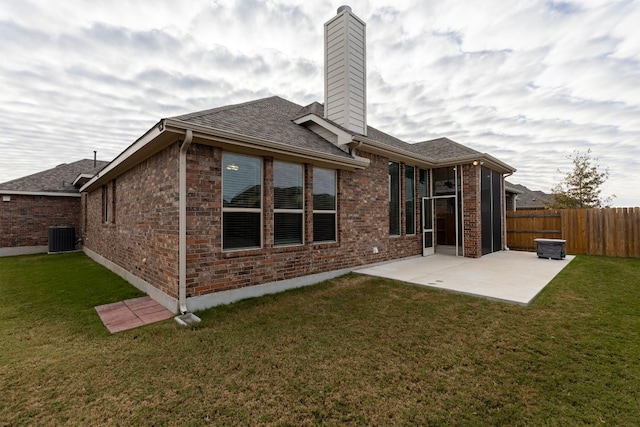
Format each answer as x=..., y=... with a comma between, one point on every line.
x=204, y=133
x=38, y=193
x=185, y=318
x=424, y=161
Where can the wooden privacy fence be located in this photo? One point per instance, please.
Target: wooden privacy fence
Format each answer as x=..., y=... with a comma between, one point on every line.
x=610, y=231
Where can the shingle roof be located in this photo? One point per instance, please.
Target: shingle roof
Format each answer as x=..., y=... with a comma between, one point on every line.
x=272, y=119
x=443, y=149
x=58, y=180
x=386, y=139
x=269, y=119
x=529, y=198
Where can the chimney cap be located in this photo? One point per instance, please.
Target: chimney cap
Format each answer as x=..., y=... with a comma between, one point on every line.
x=343, y=8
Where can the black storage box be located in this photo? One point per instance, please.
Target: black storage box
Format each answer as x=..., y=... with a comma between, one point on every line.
x=551, y=248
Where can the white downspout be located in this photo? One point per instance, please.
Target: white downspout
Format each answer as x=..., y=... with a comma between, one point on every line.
x=182, y=263
x=504, y=197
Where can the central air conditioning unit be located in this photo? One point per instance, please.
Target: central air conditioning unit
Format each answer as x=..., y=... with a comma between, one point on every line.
x=62, y=239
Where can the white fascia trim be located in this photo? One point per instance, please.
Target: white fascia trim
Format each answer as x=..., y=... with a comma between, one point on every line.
x=38, y=193
x=343, y=137
x=206, y=133
x=80, y=176
x=498, y=165
x=508, y=168
x=231, y=138
x=141, y=142
x=404, y=155
x=394, y=153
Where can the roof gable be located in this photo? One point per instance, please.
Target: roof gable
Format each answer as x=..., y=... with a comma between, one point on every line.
x=56, y=180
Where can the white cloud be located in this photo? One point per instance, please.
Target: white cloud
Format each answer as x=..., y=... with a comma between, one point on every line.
x=526, y=81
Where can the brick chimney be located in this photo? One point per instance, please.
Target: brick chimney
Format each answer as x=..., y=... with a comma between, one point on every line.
x=345, y=71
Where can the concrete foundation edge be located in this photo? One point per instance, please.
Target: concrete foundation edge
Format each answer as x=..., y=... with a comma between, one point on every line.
x=227, y=297
x=223, y=297
x=23, y=250
x=163, y=299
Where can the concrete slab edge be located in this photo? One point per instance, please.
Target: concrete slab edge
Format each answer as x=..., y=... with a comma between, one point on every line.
x=228, y=297
x=23, y=250
x=163, y=299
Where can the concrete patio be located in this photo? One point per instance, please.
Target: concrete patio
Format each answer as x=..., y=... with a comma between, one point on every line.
x=510, y=276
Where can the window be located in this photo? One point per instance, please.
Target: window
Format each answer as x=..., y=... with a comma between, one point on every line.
x=394, y=199
x=324, y=205
x=105, y=204
x=288, y=203
x=109, y=203
x=423, y=188
x=113, y=201
x=424, y=183
x=409, y=199
x=241, y=202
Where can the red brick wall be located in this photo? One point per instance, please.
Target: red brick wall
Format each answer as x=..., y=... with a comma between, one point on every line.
x=144, y=237
x=362, y=224
x=471, y=207
x=25, y=220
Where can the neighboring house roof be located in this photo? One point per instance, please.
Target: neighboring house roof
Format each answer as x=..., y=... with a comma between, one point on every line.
x=56, y=180
x=528, y=199
x=275, y=124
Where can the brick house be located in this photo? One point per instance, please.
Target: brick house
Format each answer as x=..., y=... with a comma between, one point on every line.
x=31, y=204
x=214, y=206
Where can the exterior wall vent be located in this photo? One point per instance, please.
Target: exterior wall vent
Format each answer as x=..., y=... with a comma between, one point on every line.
x=345, y=71
x=62, y=239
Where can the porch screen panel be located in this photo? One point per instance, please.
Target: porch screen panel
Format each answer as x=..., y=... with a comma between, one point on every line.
x=486, y=219
x=496, y=210
x=324, y=205
x=409, y=197
x=394, y=199
x=288, y=203
x=241, y=201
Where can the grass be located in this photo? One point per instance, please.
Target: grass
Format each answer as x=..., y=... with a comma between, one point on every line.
x=351, y=351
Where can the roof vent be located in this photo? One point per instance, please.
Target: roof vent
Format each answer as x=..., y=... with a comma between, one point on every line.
x=343, y=8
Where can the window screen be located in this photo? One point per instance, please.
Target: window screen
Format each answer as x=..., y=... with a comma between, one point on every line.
x=288, y=203
x=242, y=201
x=409, y=198
x=394, y=198
x=324, y=205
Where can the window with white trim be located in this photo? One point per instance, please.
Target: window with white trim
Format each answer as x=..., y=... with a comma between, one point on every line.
x=324, y=205
x=288, y=203
x=242, y=201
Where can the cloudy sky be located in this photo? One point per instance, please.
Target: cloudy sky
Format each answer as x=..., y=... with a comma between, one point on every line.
x=526, y=81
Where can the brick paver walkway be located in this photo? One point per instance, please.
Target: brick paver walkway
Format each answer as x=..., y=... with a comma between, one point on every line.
x=131, y=313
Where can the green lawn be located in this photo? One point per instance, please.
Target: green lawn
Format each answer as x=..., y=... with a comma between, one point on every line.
x=354, y=350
